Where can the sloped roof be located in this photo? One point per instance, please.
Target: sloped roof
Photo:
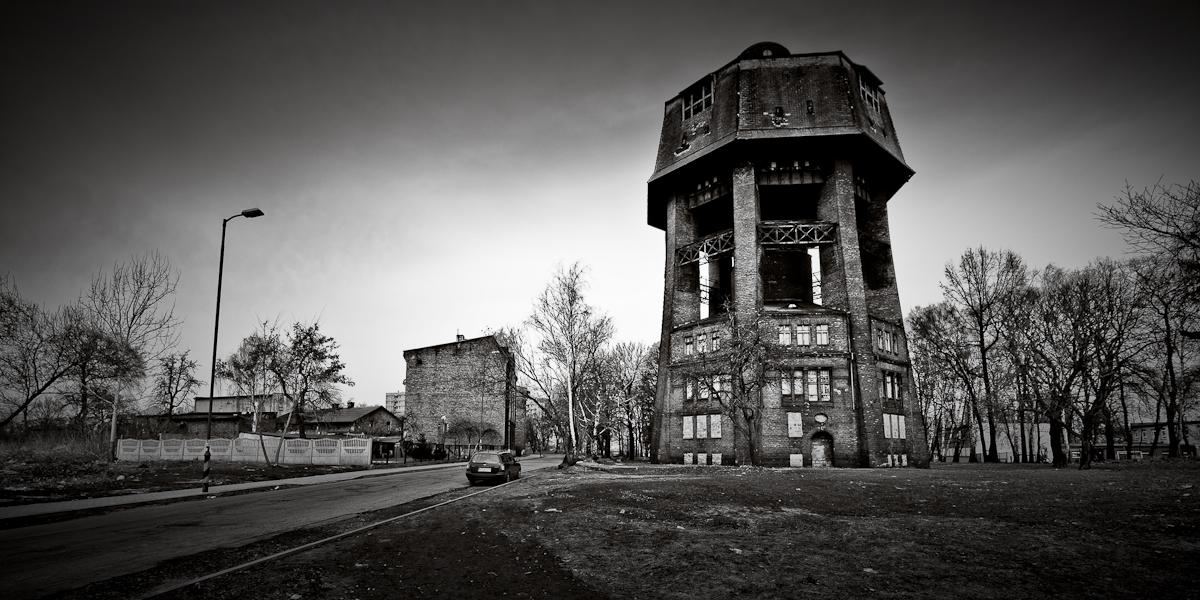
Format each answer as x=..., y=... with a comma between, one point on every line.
x=347, y=415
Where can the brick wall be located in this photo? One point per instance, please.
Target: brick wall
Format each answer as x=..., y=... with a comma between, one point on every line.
x=466, y=382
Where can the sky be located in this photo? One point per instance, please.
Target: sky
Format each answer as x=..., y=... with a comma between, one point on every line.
x=425, y=167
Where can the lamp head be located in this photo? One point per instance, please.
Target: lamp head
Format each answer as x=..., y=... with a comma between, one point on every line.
x=250, y=213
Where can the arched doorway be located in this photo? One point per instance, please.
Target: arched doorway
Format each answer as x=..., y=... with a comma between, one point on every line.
x=822, y=449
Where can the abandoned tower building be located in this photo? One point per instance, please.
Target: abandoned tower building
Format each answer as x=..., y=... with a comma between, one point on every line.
x=772, y=183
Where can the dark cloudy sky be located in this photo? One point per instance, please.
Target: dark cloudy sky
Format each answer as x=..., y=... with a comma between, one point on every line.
x=425, y=166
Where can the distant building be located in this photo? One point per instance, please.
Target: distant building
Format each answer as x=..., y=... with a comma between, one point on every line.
x=464, y=394
x=394, y=402
x=369, y=420
x=231, y=415
x=268, y=403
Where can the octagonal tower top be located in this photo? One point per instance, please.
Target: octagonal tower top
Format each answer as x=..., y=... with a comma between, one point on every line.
x=769, y=102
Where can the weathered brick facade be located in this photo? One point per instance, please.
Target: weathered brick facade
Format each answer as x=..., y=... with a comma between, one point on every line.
x=457, y=393
x=772, y=182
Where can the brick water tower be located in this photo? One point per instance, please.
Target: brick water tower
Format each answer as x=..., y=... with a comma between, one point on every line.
x=772, y=184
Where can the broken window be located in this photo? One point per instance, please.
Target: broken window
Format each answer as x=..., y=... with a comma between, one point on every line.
x=698, y=98
x=785, y=335
x=890, y=390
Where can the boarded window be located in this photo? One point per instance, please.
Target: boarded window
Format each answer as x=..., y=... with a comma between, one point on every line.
x=795, y=425
x=688, y=422
x=701, y=426
x=714, y=429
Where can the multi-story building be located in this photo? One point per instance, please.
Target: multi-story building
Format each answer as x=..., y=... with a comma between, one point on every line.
x=462, y=394
x=394, y=402
x=772, y=183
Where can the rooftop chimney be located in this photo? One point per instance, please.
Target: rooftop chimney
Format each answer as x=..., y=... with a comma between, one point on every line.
x=461, y=337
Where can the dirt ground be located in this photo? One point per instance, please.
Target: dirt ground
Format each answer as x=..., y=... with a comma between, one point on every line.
x=973, y=531
x=54, y=479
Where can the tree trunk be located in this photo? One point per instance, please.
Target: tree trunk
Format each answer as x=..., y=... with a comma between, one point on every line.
x=112, y=435
x=1110, y=446
x=1056, y=446
x=1088, y=433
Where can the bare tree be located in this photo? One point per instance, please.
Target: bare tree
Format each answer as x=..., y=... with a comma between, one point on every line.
x=627, y=369
x=942, y=341
x=175, y=382
x=130, y=306
x=1162, y=220
x=1170, y=367
x=981, y=286
x=307, y=370
x=36, y=351
x=566, y=336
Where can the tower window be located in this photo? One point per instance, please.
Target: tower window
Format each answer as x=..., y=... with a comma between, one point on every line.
x=805, y=385
x=804, y=335
x=870, y=94
x=890, y=386
x=697, y=99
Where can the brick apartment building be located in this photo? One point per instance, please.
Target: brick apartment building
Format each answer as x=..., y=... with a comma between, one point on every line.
x=458, y=394
x=772, y=183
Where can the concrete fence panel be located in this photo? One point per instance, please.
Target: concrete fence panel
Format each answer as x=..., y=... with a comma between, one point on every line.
x=246, y=450
x=297, y=452
x=128, y=449
x=220, y=449
x=193, y=449
x=356, y=452
x=150, y=450
x=326, y=452
x=172, y=449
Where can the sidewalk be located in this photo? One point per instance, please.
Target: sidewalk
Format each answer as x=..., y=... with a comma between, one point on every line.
x=45, y=508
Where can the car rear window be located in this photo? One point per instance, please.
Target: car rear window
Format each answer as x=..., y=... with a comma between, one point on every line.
x=485, y=457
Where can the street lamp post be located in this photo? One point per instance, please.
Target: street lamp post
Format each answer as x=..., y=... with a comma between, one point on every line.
x=249, y=213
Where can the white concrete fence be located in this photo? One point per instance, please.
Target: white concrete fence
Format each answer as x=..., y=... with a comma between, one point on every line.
x=350, y=451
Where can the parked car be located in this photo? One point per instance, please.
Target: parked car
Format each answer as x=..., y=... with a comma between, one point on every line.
x=493, y=465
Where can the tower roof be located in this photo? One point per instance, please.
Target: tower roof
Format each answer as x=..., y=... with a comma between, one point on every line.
x=770, y=102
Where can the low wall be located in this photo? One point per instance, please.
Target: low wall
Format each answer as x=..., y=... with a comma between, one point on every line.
x=351, y=451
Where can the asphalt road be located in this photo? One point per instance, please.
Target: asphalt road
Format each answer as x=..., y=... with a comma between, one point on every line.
x=45, y=559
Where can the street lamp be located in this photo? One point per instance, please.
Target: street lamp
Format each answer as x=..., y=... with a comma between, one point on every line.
x=249, y=213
